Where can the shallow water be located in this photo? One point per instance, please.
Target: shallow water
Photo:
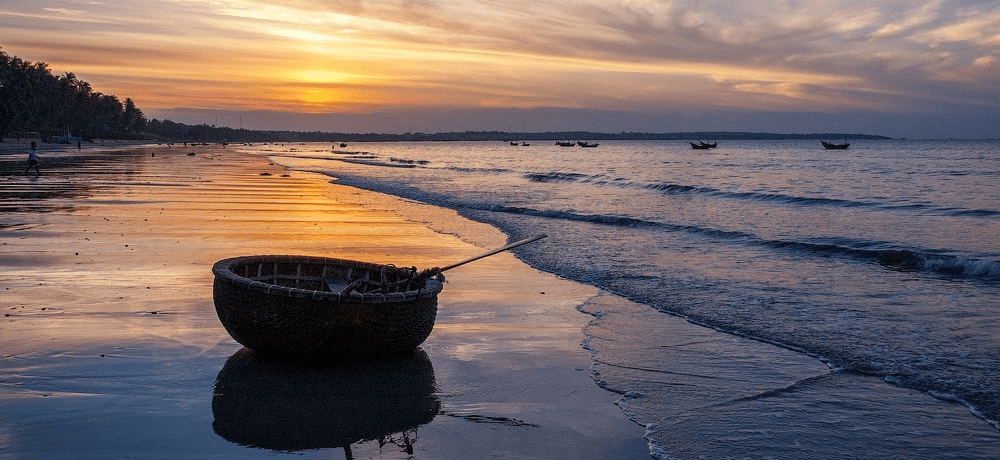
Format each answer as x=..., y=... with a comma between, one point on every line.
x=882, y=261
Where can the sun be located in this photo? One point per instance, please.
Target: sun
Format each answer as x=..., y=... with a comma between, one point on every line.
x=317, y=96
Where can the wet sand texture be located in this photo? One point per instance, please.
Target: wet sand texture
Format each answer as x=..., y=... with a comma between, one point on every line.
x=112, y=347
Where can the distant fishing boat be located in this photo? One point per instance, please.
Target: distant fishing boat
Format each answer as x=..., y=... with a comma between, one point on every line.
x=834, y=146
x=586, y=144
x=703, y=145
x=566, y=144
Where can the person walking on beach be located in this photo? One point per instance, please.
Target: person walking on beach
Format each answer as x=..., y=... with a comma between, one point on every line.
x=33, y=160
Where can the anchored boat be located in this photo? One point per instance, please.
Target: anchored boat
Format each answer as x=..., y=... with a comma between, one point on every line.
x=835, y=146
x=700, y=145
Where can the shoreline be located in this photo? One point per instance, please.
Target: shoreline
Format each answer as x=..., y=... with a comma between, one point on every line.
x=114, y=346
x=657, y=386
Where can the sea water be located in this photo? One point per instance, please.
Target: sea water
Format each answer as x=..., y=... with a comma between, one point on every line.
x=880, y=265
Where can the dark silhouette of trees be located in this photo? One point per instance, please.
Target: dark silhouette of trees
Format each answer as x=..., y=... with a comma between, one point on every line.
x=33, y=102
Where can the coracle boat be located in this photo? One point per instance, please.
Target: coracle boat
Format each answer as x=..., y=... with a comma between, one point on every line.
x=319, y=309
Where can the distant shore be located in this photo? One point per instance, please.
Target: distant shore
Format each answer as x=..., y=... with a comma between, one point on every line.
x=213, y=133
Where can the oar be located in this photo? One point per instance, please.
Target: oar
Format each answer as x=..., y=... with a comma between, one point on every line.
x=435, y=271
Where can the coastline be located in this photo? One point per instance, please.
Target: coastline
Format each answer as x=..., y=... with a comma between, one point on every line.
x=112, y=343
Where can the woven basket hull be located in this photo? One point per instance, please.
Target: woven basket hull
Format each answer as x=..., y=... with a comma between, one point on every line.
x=277, y=306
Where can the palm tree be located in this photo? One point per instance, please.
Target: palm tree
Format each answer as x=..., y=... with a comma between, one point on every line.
x=34, y=100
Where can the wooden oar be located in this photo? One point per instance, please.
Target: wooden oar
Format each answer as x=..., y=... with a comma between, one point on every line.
x=487, y=254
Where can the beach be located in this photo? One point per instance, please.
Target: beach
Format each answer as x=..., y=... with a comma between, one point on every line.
x=112, y=347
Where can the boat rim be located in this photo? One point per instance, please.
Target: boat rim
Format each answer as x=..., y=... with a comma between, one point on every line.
x=223, y=269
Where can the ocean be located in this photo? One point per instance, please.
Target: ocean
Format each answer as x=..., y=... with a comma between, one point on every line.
x=725, y=269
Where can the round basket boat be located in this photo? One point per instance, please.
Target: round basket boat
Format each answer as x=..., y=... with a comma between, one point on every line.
x=323, y=309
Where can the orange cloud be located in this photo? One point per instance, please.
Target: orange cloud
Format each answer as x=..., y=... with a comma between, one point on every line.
x=315, y=56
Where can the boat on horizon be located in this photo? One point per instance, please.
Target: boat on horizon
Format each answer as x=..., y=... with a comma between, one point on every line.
x=835, y=146
x=586, y=144
x=703, y=145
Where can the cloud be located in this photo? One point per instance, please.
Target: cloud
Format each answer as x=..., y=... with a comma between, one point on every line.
x=910, y=20
x=315, y=56
x=981, y=30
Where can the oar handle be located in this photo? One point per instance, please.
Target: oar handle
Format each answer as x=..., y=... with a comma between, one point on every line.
x=505, y=248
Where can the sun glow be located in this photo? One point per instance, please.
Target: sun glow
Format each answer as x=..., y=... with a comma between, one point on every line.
x=319, y=76
x=306, y=36
x=641, y=56
x=319, y=96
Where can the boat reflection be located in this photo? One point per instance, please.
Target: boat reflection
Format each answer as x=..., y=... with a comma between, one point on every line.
x=289, y=406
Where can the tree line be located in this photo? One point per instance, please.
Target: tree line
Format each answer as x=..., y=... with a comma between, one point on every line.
x=34, y=102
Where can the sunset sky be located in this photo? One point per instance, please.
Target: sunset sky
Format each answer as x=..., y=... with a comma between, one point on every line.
x=901, y=68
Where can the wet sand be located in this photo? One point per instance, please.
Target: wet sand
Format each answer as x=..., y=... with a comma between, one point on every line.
x=111, y=347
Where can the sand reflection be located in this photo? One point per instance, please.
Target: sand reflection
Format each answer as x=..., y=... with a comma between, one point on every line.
x=288, y=407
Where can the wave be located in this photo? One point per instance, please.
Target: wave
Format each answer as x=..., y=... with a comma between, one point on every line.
x=466, y=169
x=375, y=162
x=976, y=213
x=795, y=200
x=886, y=254
x=883, y=253
x=670, y=188
x=677, y=189
x=554, y=177
x=673, y=189
x=408, y=161
x=908, y=260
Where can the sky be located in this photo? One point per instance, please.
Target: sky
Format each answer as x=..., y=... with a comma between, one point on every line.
x=907, y=68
